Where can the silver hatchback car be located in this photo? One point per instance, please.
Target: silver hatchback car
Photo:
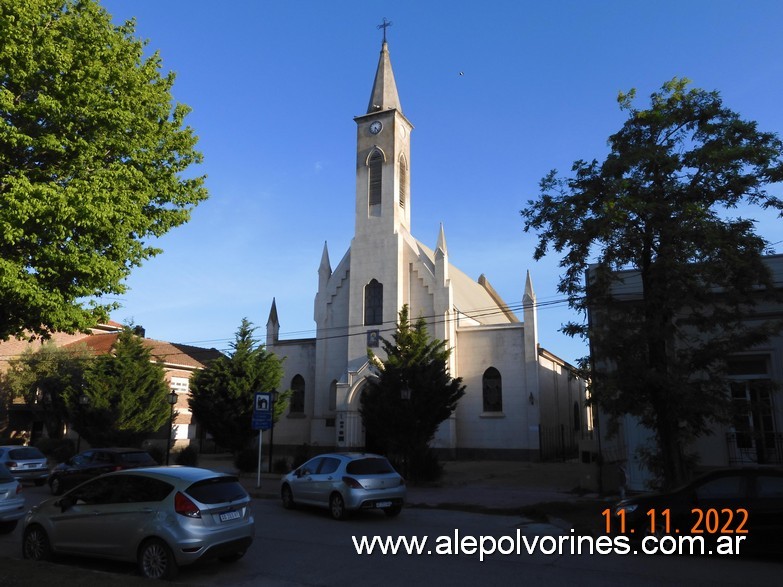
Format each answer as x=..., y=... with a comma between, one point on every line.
x=345, y=482
x=161, y=518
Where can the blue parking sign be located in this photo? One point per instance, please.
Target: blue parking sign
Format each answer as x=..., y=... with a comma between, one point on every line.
x=262, y=411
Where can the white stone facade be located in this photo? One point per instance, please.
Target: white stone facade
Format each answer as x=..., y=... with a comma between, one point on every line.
x=387, y=268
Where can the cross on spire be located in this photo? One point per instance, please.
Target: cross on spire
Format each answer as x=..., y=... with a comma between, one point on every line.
x=384, y=25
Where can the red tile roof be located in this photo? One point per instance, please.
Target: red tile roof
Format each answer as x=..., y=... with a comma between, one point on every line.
x=167, y=352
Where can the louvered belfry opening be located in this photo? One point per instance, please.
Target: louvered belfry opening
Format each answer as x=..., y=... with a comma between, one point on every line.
x=376, y=167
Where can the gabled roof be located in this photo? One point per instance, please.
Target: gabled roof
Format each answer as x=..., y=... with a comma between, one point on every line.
x=169, y=353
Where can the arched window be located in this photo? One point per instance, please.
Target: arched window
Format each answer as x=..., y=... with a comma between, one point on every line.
x=403, y=181
x=492, y=390
x=298, y=395
x=373, y=303
x=374, y=194
x=577, y=417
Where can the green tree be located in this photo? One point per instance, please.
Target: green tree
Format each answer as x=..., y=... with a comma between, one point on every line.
x=127, y=395
x=47, y=379
x=415, y=367
x=221, y=395
x=659, y=210
x=92, y=155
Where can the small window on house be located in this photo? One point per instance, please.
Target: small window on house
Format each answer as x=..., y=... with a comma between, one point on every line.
x=375, y=183
x=373, y=303
x=297, y=395
x=403, y=181
x=492, y=390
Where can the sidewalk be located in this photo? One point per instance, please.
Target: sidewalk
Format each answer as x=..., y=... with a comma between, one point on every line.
x=540, y=492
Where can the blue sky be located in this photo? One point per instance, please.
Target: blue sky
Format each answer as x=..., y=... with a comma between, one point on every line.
x=274, y=88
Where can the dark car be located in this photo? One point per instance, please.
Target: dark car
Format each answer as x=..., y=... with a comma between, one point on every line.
x=745, y=503
x=94, y=462
x=25, y=463
x=162, y=518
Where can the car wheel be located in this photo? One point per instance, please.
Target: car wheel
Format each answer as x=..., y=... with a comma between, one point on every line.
x=8, y=527
x=337, y=507
x=288, y=497
x=35, y=544
x=232, y=558
x=156, y=561
x=393, y=511
x=39, y=482
x=56, y=485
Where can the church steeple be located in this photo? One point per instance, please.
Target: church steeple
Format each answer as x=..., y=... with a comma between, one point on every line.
x=383, y=164
x=384, y=89
x=272, y=325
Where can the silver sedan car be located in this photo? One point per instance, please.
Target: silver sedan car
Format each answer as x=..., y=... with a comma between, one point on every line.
x=12, y=506
x=161, y=518
x=345, y=482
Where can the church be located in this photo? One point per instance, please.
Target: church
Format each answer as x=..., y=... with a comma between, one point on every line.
x=521, y=401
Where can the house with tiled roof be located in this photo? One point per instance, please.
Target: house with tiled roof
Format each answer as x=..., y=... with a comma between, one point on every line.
x=179, y=361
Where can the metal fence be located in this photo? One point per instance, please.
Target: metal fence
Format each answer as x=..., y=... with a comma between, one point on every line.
x=558, y=443
x=749, y=448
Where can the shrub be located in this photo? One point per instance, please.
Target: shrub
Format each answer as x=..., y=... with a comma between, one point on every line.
x=301, y=455
x=57, y=449
x=246, y=460
x=281, y=466
x=425, y=467
x=156, y=453
x=188, y=457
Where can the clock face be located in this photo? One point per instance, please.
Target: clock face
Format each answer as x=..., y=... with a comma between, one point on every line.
x=376, y=127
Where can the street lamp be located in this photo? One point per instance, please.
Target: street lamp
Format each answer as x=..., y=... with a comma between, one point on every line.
x=172, y=399
x=273, y=397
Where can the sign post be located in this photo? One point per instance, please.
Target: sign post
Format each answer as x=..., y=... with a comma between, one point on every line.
x=262, y=420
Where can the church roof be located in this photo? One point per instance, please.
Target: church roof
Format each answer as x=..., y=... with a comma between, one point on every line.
x=474, y=300
x=384, y=90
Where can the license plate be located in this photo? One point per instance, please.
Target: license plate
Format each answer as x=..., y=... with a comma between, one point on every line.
x=226, y=516
x=383, y=504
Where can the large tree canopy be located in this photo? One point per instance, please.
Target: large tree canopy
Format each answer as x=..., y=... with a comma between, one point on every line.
x=413, y=393
x=657, y=219
x=47, y=379
x=92, y=153
x=221, y=395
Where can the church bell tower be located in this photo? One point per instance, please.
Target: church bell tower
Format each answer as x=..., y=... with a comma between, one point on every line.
x=383, y=156
x=382, y=212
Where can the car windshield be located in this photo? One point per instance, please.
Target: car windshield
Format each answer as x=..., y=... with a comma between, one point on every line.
x=25, y=453
x=138, y=458
x=217, y=490
x=369, y=467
